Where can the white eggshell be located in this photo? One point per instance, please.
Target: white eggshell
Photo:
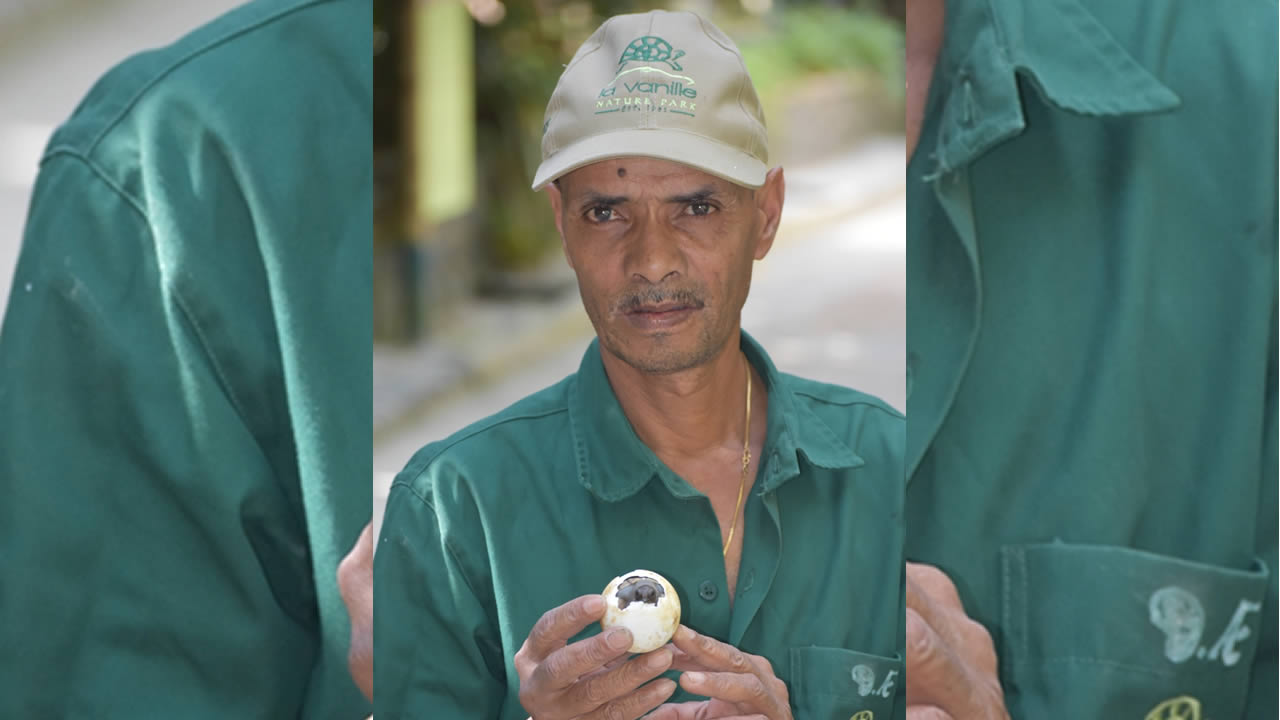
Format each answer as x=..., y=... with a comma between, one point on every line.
x=651, y=625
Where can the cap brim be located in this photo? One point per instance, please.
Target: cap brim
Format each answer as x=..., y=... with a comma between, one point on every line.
x=666, y=144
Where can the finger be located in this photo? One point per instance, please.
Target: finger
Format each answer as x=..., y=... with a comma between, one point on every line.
x=356, y=565
x=558, y=624
x=696, y=710
x=636, y=703
x=945, y=618
x=597, y=690
x=713, y=654
x=683, y=661
x=739, y=688
x=935, y=676
x=563, y=667
x=927, y=712
x=679, y=711
x=935, y=583
x=608, y=666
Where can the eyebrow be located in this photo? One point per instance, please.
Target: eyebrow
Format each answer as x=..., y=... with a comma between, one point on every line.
x=595, y=199
x=697, y=196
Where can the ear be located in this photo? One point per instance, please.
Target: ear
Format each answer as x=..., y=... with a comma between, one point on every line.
x=769, y=198
x=557, y=204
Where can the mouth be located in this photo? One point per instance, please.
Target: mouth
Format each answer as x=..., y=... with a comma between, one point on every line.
x=660, y=316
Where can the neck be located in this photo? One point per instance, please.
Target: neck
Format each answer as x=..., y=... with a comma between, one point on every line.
x=684, y=415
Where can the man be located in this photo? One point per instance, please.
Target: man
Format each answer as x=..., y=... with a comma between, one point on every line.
x=184, y=378
x=771, y=503
x=1091, y=265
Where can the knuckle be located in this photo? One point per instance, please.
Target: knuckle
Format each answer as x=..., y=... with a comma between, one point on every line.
x=765, y=664
x=594, y=691
x=933, y=579
x=528, y=700
x=615, y=711
x=554, y=666
x=756, y=690
x=921, y=648
x=739, y=662
x=598, y=651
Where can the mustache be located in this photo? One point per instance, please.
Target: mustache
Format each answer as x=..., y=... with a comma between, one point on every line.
x=633, y=301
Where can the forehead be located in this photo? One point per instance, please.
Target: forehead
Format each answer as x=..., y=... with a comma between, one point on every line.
x=643, y=172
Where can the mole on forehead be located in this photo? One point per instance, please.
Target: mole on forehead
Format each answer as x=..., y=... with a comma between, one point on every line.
x=622, y=172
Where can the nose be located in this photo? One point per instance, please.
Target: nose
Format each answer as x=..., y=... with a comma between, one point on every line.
x=654, y=253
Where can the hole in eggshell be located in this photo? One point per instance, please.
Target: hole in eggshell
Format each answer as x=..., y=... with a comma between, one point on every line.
x=639, y=588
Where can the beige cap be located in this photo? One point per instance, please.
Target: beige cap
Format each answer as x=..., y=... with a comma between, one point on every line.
x=659, y=84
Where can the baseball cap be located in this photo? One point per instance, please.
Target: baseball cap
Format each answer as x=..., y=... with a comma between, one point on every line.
x=660, y=84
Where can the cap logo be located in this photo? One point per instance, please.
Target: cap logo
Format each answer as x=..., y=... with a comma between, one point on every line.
x=671, y=93
x=651, y=48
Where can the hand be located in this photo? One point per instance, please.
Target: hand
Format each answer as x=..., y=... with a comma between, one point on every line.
x=355, y=582
x=739, y=685
x=951, y=661
x=589, y=679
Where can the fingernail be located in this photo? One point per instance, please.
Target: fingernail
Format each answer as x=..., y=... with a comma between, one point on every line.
x=618, y=638
x=665, y=686
x=684, y=633
x=695, y=677
x=594, y=604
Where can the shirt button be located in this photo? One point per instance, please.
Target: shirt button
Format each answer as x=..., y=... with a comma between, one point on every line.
x=708, y=590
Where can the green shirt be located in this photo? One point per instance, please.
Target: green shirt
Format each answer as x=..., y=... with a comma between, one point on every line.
x=184, y=381
x=1091, y=266
x=553, y=497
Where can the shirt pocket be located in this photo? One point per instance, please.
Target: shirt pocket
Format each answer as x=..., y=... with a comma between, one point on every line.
x=1112, y=632
x=839, y=684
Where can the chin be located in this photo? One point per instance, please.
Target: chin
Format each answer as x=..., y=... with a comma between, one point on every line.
x=661, y=353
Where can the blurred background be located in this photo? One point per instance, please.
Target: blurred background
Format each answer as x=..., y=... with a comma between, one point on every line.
x=51, y=52
x=474, y=305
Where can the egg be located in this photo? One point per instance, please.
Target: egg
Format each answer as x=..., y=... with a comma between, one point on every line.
x=644, y=603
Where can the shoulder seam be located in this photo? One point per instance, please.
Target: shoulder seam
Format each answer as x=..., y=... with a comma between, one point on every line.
x=193, y=54
x=102, y=175
x=486, y=426
x=200, y=338
x=877, y=404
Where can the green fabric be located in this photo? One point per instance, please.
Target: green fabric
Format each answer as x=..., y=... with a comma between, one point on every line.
x=553, y=497
x=1091, y=265
x=184, y=381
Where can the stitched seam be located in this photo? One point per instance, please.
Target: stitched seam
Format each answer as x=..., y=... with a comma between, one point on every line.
x=448, y=544
x=212, y=44
x=184, y=309
x=101, y=173
x=888, y=410
x=486, y=427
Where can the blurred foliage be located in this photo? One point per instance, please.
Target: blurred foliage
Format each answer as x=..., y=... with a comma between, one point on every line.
x=822, y=39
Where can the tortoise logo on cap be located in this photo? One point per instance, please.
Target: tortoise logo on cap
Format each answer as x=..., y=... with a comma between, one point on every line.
x=651, y=48
x=671, y=92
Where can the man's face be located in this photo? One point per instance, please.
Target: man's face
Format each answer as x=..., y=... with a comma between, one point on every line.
x=663, y=254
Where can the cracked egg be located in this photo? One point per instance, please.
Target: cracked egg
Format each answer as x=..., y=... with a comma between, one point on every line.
x=644, y=603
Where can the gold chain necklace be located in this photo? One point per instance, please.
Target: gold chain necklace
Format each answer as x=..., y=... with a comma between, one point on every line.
x=746, y=465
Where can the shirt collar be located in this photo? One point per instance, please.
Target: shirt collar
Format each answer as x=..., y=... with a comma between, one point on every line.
x=613, y=463
x=1058, y=45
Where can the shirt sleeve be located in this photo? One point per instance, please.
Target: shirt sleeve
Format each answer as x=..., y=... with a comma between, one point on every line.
x=437, y=650
x=155, y=563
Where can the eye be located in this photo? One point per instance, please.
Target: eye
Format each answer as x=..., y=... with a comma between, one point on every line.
x=700, y=208
x=601, y=214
